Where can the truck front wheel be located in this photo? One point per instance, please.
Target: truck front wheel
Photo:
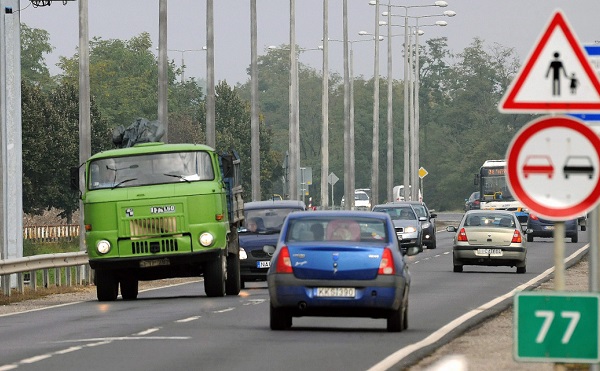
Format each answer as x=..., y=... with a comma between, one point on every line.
x=234, y=284
x=107, y=285
x=215, y=276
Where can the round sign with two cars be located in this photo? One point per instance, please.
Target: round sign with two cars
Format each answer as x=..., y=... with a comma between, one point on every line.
x=553, y=167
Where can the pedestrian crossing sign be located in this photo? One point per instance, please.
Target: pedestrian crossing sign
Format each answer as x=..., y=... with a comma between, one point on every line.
x=556, y=77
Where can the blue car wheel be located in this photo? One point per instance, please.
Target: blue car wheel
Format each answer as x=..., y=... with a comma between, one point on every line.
x=280, y=319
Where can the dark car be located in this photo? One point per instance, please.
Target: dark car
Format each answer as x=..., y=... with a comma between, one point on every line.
x=354, y=268
x=407, y=223
x=539, y=227
x=472, y=203
x=262, y=223
x=427, y=225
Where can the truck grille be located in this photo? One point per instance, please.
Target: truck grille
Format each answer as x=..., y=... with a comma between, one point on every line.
x=153, y=226
x=154, y=246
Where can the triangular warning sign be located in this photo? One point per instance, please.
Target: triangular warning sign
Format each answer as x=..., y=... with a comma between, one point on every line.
x=557, y=76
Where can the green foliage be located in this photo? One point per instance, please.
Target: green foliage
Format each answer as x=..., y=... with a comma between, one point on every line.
x=34, y=44
x=460, y=126
x=123, y=78
x=51, y=146
x=232, y=124
x=39, y=248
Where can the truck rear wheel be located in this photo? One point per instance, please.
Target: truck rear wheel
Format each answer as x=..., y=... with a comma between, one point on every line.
x=234, y=283
x=215, y=275
x=107, y=285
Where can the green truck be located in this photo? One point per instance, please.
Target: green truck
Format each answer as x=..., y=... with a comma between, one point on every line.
x=156, y=210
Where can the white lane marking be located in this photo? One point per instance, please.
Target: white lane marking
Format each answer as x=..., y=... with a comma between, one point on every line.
x=38, y=309
x=94, y=343
x=36, y=358
x=149, y=331
x=189, y=319
x=69, y=350
x=255, y=301
x=84, y=301
x=224, y=310
x=102, y=341
x=396, y=357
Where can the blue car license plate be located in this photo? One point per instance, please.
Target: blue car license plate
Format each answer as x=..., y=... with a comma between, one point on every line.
x=336, y=292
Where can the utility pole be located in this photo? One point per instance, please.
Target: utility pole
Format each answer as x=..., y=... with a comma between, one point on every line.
x=11, y=153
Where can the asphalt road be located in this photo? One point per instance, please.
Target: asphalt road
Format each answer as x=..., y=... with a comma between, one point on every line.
x=179, y=328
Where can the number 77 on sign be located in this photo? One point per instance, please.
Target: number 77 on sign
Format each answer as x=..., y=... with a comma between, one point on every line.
x=556, y=327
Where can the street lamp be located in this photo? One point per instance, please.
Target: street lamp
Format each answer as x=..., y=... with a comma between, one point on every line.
x=406, y=182
x=415, y=127
x=295, y=119
x=351, y=82
x=414, y=138
x=183, y=51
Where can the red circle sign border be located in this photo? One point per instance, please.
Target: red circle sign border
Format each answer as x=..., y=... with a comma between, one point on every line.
x=516, y=146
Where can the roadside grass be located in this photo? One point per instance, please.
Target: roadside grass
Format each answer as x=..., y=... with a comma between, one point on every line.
x=31, y=248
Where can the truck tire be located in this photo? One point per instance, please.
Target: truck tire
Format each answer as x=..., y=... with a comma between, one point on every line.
x=107, y=285
x=129, y=287
x=215, y=275
x=233, y=284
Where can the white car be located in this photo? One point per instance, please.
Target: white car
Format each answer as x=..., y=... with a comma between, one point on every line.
x=361, y=201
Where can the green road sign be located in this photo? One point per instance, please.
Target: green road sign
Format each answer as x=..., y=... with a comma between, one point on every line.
x=556, y=327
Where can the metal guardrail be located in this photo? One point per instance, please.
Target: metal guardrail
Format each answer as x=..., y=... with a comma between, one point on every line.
x=62, y=264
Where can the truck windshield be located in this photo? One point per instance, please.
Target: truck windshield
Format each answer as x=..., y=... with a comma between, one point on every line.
x=149, y=169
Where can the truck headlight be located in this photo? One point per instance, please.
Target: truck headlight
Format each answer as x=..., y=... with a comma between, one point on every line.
x=243, y=254
x=103, y=246
x=206, y=239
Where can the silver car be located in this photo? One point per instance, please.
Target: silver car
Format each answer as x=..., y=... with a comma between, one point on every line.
x=491, y=238
x=406, y=223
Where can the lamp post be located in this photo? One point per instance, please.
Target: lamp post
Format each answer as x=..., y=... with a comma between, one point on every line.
x=183, y=51
x=415, y=126
x=295, y=106
x=375, y=153
x=254, y=123
x=210, y=76
x=406, y=181
x=351, y=84
x=325, y=111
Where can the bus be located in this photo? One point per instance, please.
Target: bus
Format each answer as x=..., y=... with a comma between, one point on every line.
x=493, y=187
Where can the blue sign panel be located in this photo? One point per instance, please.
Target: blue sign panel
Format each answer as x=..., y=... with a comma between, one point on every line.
x=594, y=52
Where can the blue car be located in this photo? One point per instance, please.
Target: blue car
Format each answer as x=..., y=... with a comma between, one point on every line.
x=538, y=227
x=339, y=264
x=262, y=223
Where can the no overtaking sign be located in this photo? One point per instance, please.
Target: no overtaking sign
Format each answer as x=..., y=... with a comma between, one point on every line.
x=553, y=167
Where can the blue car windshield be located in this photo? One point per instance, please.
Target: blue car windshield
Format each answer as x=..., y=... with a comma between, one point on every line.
x=336, y=228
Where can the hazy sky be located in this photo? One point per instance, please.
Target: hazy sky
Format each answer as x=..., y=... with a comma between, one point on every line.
x=510, y=23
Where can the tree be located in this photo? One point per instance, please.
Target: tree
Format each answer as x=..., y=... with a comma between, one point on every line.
x=233, y=132
x=51, y=146
x=34, y=44
x=123, y=78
